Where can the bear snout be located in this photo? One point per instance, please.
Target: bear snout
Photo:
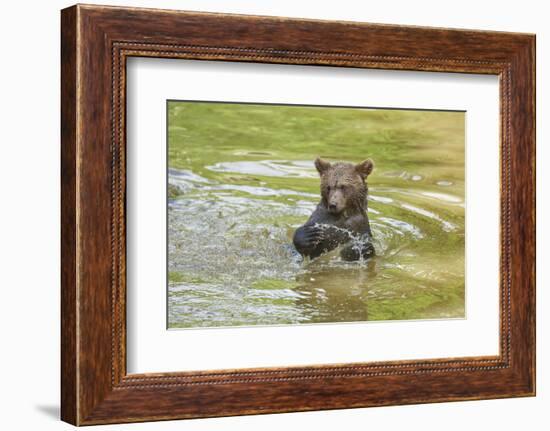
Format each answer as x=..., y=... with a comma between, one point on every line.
x=336, y=202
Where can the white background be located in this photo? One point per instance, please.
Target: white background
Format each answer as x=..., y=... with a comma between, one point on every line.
x=151, y=348
x=29, y=216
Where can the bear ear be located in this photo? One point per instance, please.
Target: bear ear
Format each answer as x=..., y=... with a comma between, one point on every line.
x=321, y=165
x=364, y=168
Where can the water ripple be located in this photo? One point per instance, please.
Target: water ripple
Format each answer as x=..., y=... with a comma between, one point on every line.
x=232, y=262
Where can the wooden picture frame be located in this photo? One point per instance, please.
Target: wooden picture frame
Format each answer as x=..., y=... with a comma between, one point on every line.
x=95, y=43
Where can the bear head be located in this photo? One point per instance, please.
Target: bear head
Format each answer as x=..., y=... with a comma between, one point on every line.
x=343, y=185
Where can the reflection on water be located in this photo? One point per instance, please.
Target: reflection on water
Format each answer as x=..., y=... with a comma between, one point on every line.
x=233, y=208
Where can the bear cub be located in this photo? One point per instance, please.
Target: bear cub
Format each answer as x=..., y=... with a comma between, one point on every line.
x=340, y=219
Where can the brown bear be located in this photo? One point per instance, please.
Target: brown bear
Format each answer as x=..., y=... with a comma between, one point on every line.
x=340, y=219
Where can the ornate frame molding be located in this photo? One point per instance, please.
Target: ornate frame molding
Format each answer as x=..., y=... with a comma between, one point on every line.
x=96, y=41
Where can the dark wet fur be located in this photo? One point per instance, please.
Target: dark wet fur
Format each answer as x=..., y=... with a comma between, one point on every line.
x=343, y=206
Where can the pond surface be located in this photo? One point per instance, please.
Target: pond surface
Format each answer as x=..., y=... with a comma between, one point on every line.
x=241, y=180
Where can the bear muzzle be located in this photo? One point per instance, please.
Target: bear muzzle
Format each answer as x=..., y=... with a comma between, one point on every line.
x=336, y=203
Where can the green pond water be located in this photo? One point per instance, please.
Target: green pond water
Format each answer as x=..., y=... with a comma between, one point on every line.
x=241, y=180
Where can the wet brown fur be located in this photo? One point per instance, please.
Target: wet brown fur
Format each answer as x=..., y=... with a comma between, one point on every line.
x=343, y=184
x=343, y=206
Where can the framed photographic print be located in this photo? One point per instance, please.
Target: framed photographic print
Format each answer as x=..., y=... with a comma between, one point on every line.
x=264, y=215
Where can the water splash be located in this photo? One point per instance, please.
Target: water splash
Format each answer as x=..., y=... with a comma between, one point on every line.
x=231, y=259
x=358, y=242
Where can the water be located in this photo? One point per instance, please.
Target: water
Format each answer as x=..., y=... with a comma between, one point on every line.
x=241, y=179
